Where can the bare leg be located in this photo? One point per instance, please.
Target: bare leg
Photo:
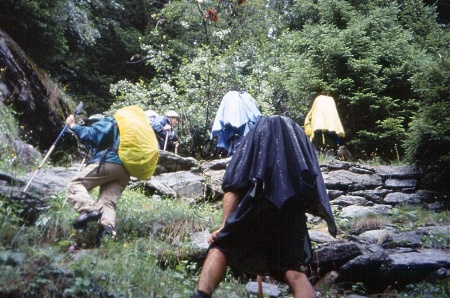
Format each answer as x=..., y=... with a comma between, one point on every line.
x=300, y=285
x=213, y=271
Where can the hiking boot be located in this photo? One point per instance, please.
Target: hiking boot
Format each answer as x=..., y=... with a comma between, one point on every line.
x=105, y=231
x=82, y=220
x=200, y=294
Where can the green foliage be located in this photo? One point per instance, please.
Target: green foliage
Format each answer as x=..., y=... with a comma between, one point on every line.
x=424, y=289
x=370, y=221
x=137, y=215
x=360, y=60
x=38, y=27
x=10, y=223
x=55, y=224
x=383, y=142
x=427, y=146
x=412, y=217
x=8, y=132
x=439, y=240
x=85, y=45
x=359, y=288
x=139, y=262
x=10, y=160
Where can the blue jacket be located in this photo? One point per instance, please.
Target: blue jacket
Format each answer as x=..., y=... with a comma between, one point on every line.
x=158, y=127
x=94, y=135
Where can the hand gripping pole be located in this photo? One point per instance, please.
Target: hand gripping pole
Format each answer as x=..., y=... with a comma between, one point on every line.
x=52, y=148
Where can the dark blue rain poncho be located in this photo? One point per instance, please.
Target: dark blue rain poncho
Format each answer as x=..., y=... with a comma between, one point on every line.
x=235, y=117
x=276, y=166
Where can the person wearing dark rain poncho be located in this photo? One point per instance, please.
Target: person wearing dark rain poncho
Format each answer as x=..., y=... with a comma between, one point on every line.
x=272, y=179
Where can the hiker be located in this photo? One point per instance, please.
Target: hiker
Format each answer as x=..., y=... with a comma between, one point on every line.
x=236, y=115
x=273, y=178
x=104, y=170
x=163, y=128
x=322, y=124
x=151, y=116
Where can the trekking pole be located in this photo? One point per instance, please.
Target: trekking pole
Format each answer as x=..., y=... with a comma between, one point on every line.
x=166, y=140
x=260, y=287
x=77, y=111
x=84, y=160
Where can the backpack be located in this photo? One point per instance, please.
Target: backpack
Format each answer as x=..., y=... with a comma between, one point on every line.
x=138, y=147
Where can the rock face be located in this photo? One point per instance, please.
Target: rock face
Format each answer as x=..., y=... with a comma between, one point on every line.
x=39, y=104
x=380, y=255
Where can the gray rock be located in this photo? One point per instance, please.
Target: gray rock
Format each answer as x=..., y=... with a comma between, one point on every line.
x=364, y=268
x=396, y=198
x=361, y=170
x=321, y=237
x=200, y=240
x=179, y=184
x=173, y=162
x=411, y=239
x=268, y=289
x=432, y=230
x=215, y=165
x=329, y=257
x=369, y=196
x=376, y=236
x=400, y=184
x=414, y=266
x=397, y=172
x=351, y=200
x=50, y=180
x=345, y=180
x=359, y=211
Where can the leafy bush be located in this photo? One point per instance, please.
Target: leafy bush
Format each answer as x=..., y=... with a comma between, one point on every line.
x=10, y=223
x=428, y=143
x=424, y=289
x=411, y=217
x=8, y=132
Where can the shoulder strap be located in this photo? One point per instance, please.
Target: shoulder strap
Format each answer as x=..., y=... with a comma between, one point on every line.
x=114, y=147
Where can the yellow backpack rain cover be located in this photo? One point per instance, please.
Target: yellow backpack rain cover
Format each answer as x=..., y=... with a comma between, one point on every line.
x=138, y=147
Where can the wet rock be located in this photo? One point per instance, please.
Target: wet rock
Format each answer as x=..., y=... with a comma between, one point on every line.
x=400, y=184
x=411, y=239
x=351, y=200
x=360, y=211
x=415, y=266
x=345, y=180
x=331, y=257
x=396, y=198
x=270, y=290
x=398, y=172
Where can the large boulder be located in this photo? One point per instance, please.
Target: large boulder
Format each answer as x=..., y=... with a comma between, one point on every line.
x=40, y=105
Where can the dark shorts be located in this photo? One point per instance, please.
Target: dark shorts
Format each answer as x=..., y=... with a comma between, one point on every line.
x=259, y=238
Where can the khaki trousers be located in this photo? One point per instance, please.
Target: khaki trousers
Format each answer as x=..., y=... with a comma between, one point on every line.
x=112, y=179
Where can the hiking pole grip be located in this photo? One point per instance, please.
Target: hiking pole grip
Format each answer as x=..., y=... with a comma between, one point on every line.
x=52, y=148
x=78, y=109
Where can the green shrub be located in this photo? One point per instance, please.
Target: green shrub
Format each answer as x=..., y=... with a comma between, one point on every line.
x=424, y=289
x=412, y=217
x=10, y=223
x=8, y=132
x=428, y=145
